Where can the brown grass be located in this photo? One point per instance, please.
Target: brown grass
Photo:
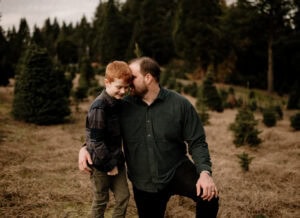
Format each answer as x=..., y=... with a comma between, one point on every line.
x=40, y=178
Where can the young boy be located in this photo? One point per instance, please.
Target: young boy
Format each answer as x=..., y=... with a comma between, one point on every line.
x=103, y=139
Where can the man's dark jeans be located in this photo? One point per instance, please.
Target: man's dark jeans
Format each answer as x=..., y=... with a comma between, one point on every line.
x=151, y=205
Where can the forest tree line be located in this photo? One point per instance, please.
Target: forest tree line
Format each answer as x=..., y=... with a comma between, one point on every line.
x=250, y=43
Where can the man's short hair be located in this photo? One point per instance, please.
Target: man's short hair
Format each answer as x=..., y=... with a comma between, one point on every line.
x=148, y=65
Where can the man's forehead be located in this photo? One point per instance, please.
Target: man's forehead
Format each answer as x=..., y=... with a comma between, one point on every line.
x=135, y=67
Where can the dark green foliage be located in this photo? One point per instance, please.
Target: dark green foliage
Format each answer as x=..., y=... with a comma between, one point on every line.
x=269, y=117
x=196, y=25
x=80, y=93
x=252, y=103
x=191, y=89
x=112, y=33
x=295, y=121
x=4, y=75
x=41, y=91
x=244, y=161
x=197, y=34
x=203, y=115
x=211, y=96
x=294, y=97
x=86, y=78
x=67, y=52
x=164, y=76
x=231, y=101
x=202, y=108
x=279, y=112
x=244, y=128
x=155, y=29
x=171, y=84
x=94, y=91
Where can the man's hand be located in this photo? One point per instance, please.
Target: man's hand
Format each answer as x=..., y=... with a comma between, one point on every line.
x=113, y=172
x=206, y=183
x=84, y=157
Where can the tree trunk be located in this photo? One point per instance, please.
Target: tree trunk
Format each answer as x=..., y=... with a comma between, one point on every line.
x=270, y=65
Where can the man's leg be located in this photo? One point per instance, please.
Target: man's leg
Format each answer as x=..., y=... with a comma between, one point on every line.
x=121, y=193
x=151, y=205
x=184, y=183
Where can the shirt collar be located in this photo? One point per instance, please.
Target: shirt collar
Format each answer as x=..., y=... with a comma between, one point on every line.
x=110, y=99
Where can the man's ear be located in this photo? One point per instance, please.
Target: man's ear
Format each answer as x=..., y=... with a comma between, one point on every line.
x=148, y=77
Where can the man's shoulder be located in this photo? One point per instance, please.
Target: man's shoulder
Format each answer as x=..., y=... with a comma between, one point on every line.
x=173, y=95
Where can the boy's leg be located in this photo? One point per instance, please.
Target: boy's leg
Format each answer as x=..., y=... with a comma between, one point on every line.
x=151, y=205
x=100, y=186
x=121, y=193
x=184, y=183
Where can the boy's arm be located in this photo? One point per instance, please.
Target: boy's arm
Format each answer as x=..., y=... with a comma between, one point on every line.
x=96, y=127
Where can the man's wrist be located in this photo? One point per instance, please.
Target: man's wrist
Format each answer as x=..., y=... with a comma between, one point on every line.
x=206, y=171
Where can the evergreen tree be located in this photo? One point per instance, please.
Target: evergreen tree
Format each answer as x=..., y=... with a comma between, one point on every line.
x=196, y=31
x=50, y=34
x=86, y=79
x=244, y=128
x=275, y=17
x=295, y=121
x=17, y=44
x=4, y=75
x=210, y=94
x=112, y=28
x=41, y=93
x=131, y=10
x=67, y=52
x=37, y=37
x=154, y=36
x=83, y=37
x=247, y=42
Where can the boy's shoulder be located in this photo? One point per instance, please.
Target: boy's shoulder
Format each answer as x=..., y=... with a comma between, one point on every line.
x=99, y=102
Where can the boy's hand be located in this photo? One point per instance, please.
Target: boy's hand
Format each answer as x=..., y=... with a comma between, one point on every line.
x=113, y=172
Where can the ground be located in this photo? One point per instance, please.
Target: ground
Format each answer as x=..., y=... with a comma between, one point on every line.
x=40, y=177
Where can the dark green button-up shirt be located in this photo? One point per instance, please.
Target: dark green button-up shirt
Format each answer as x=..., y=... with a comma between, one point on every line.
x=155, y=138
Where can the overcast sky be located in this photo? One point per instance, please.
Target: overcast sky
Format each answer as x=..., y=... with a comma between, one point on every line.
x=37, y=11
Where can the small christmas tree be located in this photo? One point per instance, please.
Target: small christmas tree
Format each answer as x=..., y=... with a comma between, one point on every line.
x=41, y=92
x=211, y=96
x=269, y=117
x=295, y=121
x=244, y=128
x=245, y=161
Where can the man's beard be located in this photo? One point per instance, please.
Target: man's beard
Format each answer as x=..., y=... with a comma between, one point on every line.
x=140, y=93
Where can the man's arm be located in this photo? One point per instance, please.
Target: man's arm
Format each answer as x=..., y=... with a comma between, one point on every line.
x=195, y=137
x=83, y=158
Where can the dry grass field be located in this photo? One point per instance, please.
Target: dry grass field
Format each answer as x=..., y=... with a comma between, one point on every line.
x=39, y=176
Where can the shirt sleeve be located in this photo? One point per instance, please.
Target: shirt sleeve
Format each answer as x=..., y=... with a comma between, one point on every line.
x=195, y=137
x=96, y=124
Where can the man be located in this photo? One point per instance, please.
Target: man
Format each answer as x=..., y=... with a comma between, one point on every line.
x=158, y=126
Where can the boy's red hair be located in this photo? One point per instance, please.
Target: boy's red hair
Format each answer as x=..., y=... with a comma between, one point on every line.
x=118, y=70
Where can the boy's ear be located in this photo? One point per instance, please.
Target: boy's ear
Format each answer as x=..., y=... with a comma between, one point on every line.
x=106, y=81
